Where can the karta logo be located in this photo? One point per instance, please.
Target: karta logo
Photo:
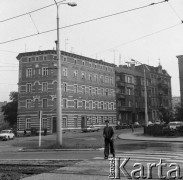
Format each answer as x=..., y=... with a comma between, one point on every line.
x=117, y=168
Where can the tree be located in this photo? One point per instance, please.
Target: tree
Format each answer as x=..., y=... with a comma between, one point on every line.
x=178, y=113
x=165, y=115
x=10, y=109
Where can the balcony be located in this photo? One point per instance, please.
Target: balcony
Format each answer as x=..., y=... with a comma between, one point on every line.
x=119, y=83
x=121, y=96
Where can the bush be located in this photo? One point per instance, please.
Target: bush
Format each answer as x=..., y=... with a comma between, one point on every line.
x=162, y=130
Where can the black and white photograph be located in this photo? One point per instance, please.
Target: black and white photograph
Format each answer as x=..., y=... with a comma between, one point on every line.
x=91, y=90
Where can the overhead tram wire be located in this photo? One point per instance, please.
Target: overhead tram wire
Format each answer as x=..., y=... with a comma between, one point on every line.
x=83, y=22
x=24, y=14
x=173, y=9
x=139, y=38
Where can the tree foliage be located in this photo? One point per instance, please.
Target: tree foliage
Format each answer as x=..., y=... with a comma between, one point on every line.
x=10, y=109
x=165, y=115
x=178, y=112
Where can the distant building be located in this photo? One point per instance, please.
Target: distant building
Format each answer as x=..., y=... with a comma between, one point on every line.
x=88, y=90
x=180, y=64
x=175, y=102
x=130, y=99
x=1, y=113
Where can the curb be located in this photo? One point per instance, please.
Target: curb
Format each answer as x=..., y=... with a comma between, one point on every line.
x=149, y=139
x=46, y=150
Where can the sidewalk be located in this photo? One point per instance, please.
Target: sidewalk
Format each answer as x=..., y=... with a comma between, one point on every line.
x=85, y=170
x=96, y=169
x=138, y=136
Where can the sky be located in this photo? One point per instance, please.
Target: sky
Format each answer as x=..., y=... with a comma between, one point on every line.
x=131, y=29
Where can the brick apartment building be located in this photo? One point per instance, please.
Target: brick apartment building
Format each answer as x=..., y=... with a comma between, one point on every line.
x=180, y=64
x=130, y=101
x=88, y=90
x=1, y=113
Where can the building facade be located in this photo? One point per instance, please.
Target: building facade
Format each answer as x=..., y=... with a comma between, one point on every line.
x=180, y=64
x=130, y=89
x=88, y=90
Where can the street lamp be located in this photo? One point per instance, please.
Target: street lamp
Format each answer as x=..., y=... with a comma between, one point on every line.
x=145, y=92
x=59, y=74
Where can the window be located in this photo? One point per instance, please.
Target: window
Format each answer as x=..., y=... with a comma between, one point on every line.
x=83, y=104
x=96, y=119
x=75, y=88
x=29, y=59
x=106, y=92
x=65, y=72
x=129, y=79
x=96, y=90
x=102, y=105
x=90, y=105
x=45, y=103
x=129, y=103
x=107, y=105
x=45, y=58
x=83, y=90
x=111, y=80
x=75, y=61
x=28, y=103
x=64, y=87
x=75, y=73
x=37, y=58
x=64, y=120
x=65, y=59
x=106, y=79
x=29, y=87
x=29, y=72
x=96, y=105
x=44, y=123
x=95, y=65
x=102, y=78
x=45, y=71
x=28, y=123
x=112, y=106
x=129, y=91
x=90, y=90
x=102, y=120
x=90, y=64
x=82, y=75
x=83, y=63
x=102, y=91
x=44, y=86
x=64, y=103
x=75, y=104
x=90, y=77
x=95, y=77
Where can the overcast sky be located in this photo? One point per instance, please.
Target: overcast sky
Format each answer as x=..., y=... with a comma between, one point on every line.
x=151, y=35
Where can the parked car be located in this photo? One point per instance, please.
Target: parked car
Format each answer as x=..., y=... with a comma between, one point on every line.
x=173, y=125
x=6, y=135
x=157, y=122
x=122, y=126
x=90, y=129
x=136, y=125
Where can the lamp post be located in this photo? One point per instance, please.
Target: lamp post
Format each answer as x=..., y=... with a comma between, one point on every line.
x=145, y=92
x=59, y=74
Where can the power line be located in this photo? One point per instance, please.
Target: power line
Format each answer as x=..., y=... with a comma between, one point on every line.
x=173, y=9
x=139, y=38
x=83, y=22
x=14, y=17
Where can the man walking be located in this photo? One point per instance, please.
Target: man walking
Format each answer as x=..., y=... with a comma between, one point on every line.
x=108, y=134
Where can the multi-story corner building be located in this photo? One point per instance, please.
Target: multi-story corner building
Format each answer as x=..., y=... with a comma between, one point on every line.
x=180, y=64
x=88, y=90
x=130, y=92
